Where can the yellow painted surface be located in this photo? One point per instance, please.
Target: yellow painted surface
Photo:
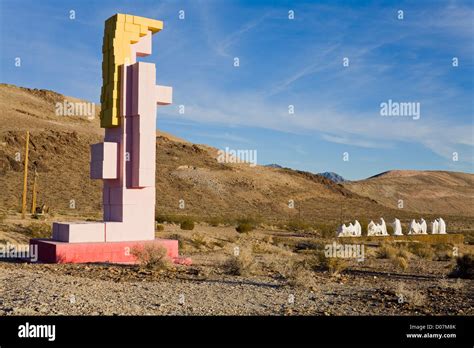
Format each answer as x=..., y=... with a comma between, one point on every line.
x=121, y=31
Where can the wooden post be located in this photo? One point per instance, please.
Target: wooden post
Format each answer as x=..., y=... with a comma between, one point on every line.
x=25, y=176
x=33, y=203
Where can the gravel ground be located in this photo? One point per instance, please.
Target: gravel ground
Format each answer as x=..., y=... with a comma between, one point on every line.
x=34, y=289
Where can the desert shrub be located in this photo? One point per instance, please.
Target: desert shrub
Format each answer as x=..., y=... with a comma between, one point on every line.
x=464, y=267
x=400, y=262
x=421, y=250
x=199, y=241
x=244, y=227
x=403, y=253
x=301, y=277
x=187, y=225
x=160, y=227
x=334, y=265
x=239, y=265
x=411, y=296
x=386, y=251
x=3, y=216
x=152, y=257
x=326, y=230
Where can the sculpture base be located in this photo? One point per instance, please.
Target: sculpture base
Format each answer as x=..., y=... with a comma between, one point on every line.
x=51, y=251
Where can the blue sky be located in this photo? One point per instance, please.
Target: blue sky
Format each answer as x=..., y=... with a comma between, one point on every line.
x=282, y=62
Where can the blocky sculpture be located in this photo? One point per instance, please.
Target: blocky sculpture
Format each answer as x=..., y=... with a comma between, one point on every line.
x=125, y=161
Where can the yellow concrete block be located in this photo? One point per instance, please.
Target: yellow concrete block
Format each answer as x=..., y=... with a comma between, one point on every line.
x=120, y=18
x=129, y=18
x=143, y=30
x=133, y=28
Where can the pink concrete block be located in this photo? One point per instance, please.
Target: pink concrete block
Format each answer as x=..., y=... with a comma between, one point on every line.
x=104, y=161
x=163, y=95
x=123, y=231
x=142, y=48
x=144, y=81
x=115, y=252
x=146, y=177
x=130, y=196
x=79, y=232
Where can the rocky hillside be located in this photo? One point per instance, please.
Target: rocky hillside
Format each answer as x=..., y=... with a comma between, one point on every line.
x=59, y=150
x=437, y=192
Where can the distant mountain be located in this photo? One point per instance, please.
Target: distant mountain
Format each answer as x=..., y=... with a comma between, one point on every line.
x=273, y=165
x=333, y=177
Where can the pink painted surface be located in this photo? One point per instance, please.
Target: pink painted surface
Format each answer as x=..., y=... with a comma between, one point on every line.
x=50, y=251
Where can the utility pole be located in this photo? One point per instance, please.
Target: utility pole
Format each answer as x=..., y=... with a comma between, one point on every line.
x=25, y=177
x=33, y=203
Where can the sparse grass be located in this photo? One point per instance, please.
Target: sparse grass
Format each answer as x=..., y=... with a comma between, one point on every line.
x=400, y=262
x=326, y=230
x=37, y=230
x=464, y=267
x=421, y=250
x=152, y=256
x=411, y=296
x=296, y=225
x=187, y=225
x=386, y=251
x=199, y=241
x=240, y=265
x=443, y=252
x=335, y=265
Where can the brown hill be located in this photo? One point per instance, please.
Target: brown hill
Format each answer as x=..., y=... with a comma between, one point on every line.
x=437, y=192
x=59, y=149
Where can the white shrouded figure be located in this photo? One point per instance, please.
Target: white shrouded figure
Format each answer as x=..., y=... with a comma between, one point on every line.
x=371, y=229
x=358, y=228
x=423, y=226
x=442, y=226
x=353, y=230
x=397, y=227
x=374, y=229
x=383, y=227
x=415, y=227
x=435, y=227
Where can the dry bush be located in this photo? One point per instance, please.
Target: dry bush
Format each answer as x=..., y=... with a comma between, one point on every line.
x=159, y=228
x=199, y=241
x=240, y=265
x=386, y=251
x=421, y=250
x=187, y=225
x=335, y=265
x=152, y=256
x=400, y=262
x=411, y=296
x=464, y=267
x=244, y=227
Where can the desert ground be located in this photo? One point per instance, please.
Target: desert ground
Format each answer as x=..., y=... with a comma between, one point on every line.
x=277, y=272
x=274, y=265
